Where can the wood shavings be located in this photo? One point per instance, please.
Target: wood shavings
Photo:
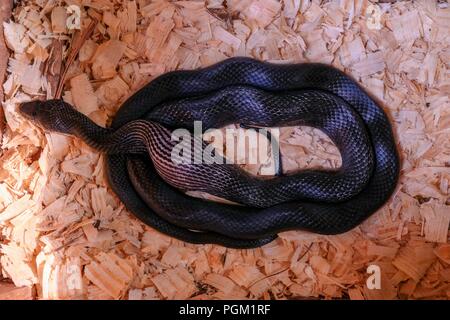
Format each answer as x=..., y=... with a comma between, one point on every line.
x=406, y=26
x=16, y=264
x=83, y=95
x=16, y=208
x=59, y=19
x=183, y=282
x=106, y=59
x=414, y=260
x=65, y=235
x=29, y=75
x=437, y=222
x=226, y=37
x=15, y=37
x=110, y=92
x=261, y=12
x=373, y=63
x=443, y=253
x=111, y=274
x=88, y=50
x=5, y=14
x=82, y=165
x=225, y=286
x=9, y=292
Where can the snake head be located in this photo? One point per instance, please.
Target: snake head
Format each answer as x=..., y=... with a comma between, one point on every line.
x=51, y=115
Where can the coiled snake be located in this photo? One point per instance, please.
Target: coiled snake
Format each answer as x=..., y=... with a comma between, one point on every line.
x=240, y=90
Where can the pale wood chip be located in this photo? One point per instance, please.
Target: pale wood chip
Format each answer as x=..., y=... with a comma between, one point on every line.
x=437, y=221
x=414, y=260
x=106, y=59
x=112, y=275
x=83, y=95
x=59, y=19
x=17, y=208
x=10, y=292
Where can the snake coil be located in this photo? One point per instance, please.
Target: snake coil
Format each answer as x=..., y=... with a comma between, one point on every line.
x=252, y=93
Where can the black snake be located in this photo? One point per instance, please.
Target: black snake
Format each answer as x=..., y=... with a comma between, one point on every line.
x=240, y=90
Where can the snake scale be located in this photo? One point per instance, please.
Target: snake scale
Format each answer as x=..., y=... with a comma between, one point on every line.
x=254, y=93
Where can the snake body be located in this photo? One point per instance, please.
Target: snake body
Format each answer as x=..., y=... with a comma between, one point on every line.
x=241, y=90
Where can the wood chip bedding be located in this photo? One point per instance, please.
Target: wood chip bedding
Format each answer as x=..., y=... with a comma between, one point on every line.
x=65, y=235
